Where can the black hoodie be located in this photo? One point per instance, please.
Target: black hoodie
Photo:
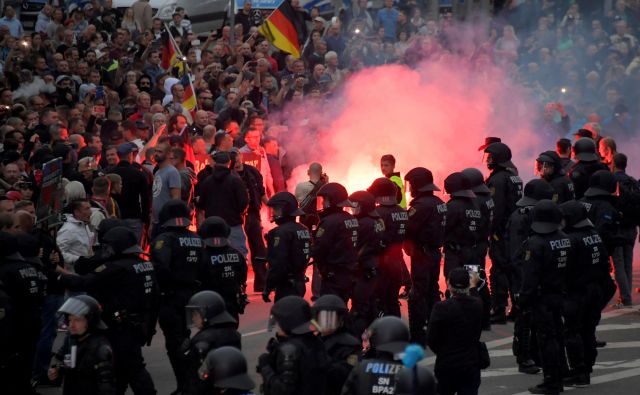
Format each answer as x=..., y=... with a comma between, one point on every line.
x=223, y=194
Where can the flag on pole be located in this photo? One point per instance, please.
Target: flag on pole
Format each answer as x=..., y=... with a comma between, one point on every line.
x=170, y=54
x=280, y=30
x=189, y=100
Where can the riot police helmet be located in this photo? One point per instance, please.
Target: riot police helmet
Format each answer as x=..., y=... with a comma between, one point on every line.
x=226, y=368
x=584, y=149
x=9, y=246
x=332, y=194
x=476, y=180
x=174, y=214
x=84, y=306
x=293, y=315
x=122, y=241
x=106, y=225
x=385, y=191
x=416, y=380
x=499, y=154
x=421, y=180
x=328, y=312
x=546, y=217
x=363, y=203
x=458, y=185
x=601, y=183
x=389, y=334
x=211, y=308
x=575, y=215
x=534, y=191
x=214, y=232
x=284, y=205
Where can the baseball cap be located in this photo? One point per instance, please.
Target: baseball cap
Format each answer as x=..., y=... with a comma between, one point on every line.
x=126, y=148
x=459, y=278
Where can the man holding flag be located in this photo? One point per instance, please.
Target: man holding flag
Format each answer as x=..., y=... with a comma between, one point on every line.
x=280, y=29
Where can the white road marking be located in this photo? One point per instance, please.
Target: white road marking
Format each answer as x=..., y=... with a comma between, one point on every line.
x=598, y=366
x=605, y=378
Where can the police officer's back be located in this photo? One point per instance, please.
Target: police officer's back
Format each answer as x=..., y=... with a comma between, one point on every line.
x=288, y=248
x=296, y=361
x=85, y=361
x=486, y=204
x=376, y=373
x=601, y=206
x=101, y=253
x=217, y=328
x=226, y=370
x=549, y=167
x=334, y=242
x=342, y=347
x=588, y=162
x=224, y=269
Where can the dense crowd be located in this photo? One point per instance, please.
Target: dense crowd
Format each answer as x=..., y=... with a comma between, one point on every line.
x=179, y=162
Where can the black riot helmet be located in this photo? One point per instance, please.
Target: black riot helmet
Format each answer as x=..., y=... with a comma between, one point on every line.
x=421, y=180
x=385, y=191
x=534, y=191
x=331, y=195
x=476, y=181
x=84, y=306
x=9, y=246
x=584, y=150
x=226, y=368
x=457, y=185
x=363, y=204
x=417, y=380
x=211, y=307
x=498, y=154
x=547, y=164
x=106, y=225
x=214, y=232
x=329, y=311
x=601, y=183
x=575, y=215
x=388, y=334
x=174, y=214
x=283, y=205
x=546, y=217
x=292, y=314
x=122, y=241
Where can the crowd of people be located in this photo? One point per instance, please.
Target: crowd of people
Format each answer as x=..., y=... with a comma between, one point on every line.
x=162, y=204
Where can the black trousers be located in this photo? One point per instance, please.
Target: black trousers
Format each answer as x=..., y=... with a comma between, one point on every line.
x=503, y=277
x=253, y=230
x=461, y=381
x=172, y=320
x=129, y=365
x=363, y=304
x=581, y=317
x=425, y=292
x=548, y=327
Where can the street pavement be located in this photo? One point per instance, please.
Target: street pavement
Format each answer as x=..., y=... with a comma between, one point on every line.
x=617, y=371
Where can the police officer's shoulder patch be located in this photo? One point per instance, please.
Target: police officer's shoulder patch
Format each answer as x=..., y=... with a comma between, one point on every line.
x=100, y=268
x=319, y=232
x=412, y=211
x=276, y=241
x=555, y=198
x=493, y=191
x=352, y=359
x=158, y=245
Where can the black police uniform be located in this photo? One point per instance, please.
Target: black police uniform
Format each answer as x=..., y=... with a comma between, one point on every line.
x=463, y=216
x=177, y=257
x=25, y=286
x=7, y=342
x=226, y=371
x=588, y=162
x=343, y=350
x=506, y=189
x=370, y=235
x=334, y=251
x=559, y=181
x=225, y=272
x=606, y=218
x=127, y=289
x=93, y=372
x=546, y=258
x=288, y=247
x=391, y=264
x=424, y=239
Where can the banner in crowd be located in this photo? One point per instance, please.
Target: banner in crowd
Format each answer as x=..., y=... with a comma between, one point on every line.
x=260, y=4
x=51, y=192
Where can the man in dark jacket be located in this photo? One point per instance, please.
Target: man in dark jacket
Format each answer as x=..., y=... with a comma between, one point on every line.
x=453, y=334
x=223, y=194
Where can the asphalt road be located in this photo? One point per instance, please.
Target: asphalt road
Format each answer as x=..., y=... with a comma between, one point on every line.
x=617, y=370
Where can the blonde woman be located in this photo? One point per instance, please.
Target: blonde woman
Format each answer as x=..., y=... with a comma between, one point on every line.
x=129, y=22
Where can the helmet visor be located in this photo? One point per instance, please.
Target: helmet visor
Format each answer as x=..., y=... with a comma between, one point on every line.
x=328, y=320
x=195, y=317
x=321, y=203
x=355, y=208
x=275, y=212
x=542, y=169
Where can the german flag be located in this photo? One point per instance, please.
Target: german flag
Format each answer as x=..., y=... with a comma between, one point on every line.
x=169, y=51
x=280, y=30
x=189, y=101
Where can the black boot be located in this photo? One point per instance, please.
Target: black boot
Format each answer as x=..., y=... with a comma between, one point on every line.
x=578, y=380
x=528, y=367
x=498, y=317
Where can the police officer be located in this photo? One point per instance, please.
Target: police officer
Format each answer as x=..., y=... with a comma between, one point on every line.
x=486, y=204
x=506, y=189
x=7, y=331
x=370, y=234
x=176, y=254
x=463, y=218
x=101, y=254
x=288, y=247
x=296, y=361
x=416, y=380
x=224, y=269
x=518, y=229
x=549, y=168
x=127, y=289
x=391, y=265
x=424, y=239
x=26, y=290
x=86, y=359
x=343, y=349
x=588, y=271
x=216, y=328
x=587, y=163
x=377, y=372
x=226, y=370
x=334, y=242
x=547, y=253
